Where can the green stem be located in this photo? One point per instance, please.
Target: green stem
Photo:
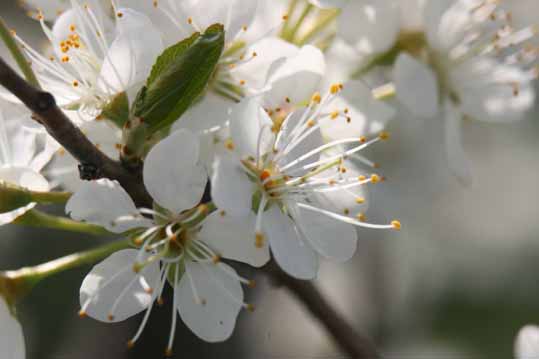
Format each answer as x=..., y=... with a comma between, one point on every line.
x=50, y=197
x=35, y=218
x=15, y=284
x=22, y=62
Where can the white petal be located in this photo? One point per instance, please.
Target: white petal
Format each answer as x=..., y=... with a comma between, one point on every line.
x=132, y=54
x=210, y=112
x=247, y=120
x=117, y=271
x=527, y=343
x=172, y=174
x=310, y=143
x=492, y=92
x=456, y=157
x=417, y=87
x=24, y=177
x=232, y=191
x=297, y=78
x=366, y=115
x=105, y=203
x=214, y=319
x=234, y=238
x=327, y=4
x=11, y=335
x=293, y=254
x=371, y=26
x=331, y=238
x=49, y=8
x=268, y=50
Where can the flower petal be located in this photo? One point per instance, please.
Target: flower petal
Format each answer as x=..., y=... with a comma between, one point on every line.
x=172, y=174
x=527, y=343
x=247, y=120
x=327, y=4
x=114, y=280
x=232, y=191
x=364, y=115
x=371, y=26
x=234, y=238
x=296, y=79
x=11, y=335
x=294, y=255
x=331, y=238
x=416, y=86
x=105, y=203
x=132, y=54
x=210, y=313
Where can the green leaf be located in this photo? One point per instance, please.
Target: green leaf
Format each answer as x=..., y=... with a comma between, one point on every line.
x=178, y=78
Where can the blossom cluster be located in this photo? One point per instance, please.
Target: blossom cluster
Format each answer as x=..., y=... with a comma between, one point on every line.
x=268, y=162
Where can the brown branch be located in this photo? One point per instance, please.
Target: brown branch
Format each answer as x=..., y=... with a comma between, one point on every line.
x=58, y=125
x=355, y=345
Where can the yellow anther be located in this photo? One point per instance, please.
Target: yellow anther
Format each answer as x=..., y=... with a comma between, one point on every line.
x=250, y=307
x=287, y=100
x=190, y=20
x=361, y=217
x=360, y=200
x=285, y=17
x=396, y=225
x=242, y=82
x=119, y=14
x=384, y=135
x=361, y=178
x=363, y=139
x=334, y=115
x=65, y=59
x=72, y=28
x=334, y=89
x=155, y=3
x=260, y=239
x=346, y=211
x=110, y=317
x=255, y=54
x=311, y=123
x=222, y=213
x=229, y=144
x=375, y=179
x=82, y=313
x=316, y=98
x=149, y=290
x=75, y=83
x=130, y=344
x=216, y=259
x=346, y=110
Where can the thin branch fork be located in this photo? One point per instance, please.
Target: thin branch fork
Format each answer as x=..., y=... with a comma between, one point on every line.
x=58, y=125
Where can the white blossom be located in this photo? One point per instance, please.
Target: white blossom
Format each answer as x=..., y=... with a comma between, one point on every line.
x=527, y=343
x=22, y=156
x=478, y=69
x=304, y=196
x=94, y=59
x=178, y=244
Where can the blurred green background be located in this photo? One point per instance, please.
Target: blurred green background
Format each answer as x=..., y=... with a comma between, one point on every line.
x=458, y=281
